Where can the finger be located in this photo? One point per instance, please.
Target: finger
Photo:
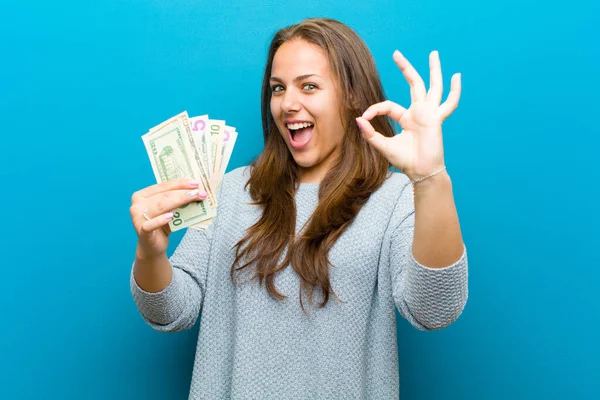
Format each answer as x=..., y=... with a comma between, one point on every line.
x=168, y=201
x=395, y=111
x=436, y=85
x=417, y=86
x=453, y=97
x=375, y=138
x=164, y=187
x=155, y=223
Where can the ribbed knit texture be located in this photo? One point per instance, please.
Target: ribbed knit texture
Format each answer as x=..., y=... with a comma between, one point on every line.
x=251, y=346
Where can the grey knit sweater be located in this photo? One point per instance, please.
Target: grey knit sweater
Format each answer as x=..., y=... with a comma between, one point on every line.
x=251, y=346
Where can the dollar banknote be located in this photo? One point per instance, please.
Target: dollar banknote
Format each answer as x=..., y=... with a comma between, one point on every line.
x=184, y=147
x=215, y=132
x=203, y=146
x=226, y=149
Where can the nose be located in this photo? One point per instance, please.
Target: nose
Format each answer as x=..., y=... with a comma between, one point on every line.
x=291, y=102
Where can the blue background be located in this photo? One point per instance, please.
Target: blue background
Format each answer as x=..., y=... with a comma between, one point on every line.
x=82, y=81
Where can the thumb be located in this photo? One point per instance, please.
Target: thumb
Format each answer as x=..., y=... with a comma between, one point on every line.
x=375, y=138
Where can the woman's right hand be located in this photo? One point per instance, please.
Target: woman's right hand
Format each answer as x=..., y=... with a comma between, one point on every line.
x=152, y=209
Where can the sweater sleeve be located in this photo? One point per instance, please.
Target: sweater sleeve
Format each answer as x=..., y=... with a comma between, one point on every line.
x=429, y=298
x=178, y=305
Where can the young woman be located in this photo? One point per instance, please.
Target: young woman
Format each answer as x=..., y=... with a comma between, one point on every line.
x=316, y=243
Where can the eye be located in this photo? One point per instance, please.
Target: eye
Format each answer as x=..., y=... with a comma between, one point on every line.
x=309, y=86
x=276, y=88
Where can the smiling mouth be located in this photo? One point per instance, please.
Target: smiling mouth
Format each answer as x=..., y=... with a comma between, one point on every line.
x=300, y=137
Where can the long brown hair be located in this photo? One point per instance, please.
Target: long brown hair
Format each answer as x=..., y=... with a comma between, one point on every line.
x=273, y=182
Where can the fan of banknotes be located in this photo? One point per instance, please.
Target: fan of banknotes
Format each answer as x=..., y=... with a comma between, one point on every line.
x=196, y=148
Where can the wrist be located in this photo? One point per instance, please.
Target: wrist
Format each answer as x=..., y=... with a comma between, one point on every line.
x=440, y=179
x=426, y=173
x=146, y=257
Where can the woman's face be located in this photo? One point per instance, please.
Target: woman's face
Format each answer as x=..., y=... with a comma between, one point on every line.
x=305, y=105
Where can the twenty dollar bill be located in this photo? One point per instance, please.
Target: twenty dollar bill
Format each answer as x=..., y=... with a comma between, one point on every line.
x=173, y=156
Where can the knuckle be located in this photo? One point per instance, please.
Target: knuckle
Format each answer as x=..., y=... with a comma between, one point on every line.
x=164, y=186
x=160, y=205
x=142, y=229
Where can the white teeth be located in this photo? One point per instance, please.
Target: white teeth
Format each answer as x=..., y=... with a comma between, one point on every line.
x=299, y=125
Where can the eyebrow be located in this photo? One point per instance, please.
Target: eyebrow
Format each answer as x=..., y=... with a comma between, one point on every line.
x=296, y=79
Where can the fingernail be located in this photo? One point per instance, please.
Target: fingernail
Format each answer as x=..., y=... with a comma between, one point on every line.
x=358, y=123
x=168, y=216
x=202, y=194
x=193, y=183
x=192, y=193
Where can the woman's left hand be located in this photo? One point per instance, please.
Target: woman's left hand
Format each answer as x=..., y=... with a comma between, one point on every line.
x=418, y=150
